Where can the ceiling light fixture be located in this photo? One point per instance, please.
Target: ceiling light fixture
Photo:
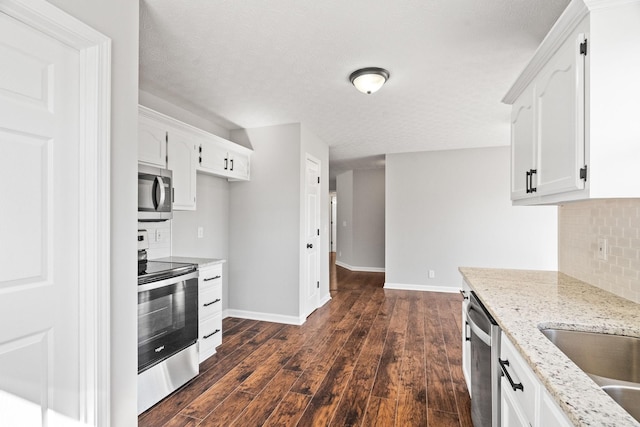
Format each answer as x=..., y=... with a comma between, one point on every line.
x=369, y=80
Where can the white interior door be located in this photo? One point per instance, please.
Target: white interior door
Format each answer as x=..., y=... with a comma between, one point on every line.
x=40, y=149
x=312, y=235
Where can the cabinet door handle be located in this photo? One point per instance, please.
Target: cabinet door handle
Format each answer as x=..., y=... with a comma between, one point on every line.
x=226, y=163
x=231, y=164
x=505, y=372
x=207, y=304
x=211, y=334
x=212, y=278
x=531, y=187
x=527, y=179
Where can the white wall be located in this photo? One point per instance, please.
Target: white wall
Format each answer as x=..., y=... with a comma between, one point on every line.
x=118, y=19
x=448, y=209
x=368, y=218
x=344, y=191
x=361, y=203
x=264, y=253
x=212, y=214
x=264, y=225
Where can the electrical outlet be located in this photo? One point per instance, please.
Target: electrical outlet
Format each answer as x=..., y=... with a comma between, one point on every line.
x=602, y=249
x=159, y=235
x=432, y=274
x=200, y=232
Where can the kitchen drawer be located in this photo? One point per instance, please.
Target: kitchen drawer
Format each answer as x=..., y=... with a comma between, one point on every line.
x=210, y=333
x=520, y=373
x=210, y=302
x=210, y=276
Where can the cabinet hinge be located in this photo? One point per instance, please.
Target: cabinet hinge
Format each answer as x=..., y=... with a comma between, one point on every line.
x=200, y=154
x=583, y=173
x=318, y=231
x=583, y=48
x=318, y=180
x=318, y=285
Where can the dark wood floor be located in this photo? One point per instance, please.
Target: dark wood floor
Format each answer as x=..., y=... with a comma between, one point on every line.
x=369, y=357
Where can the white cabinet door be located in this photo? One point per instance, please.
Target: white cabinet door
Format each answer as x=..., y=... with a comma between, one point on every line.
x=511, y=414
x=238, y=165
x=560, y=120
x=152, y=142
x=182, y=161
x=522, y=145
x=550, y=414
x=213, y=158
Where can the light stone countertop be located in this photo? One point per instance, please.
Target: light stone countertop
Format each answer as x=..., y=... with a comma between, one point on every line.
x=523, y=301
x=202, y=262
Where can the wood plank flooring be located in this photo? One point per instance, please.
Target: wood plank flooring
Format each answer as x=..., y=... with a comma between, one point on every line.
x=369, y=357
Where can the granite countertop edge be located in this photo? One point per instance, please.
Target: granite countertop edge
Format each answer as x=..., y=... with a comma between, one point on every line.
x=202, y=262
x=523, y=301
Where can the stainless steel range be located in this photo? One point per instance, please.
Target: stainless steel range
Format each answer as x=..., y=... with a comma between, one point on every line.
x=167, y=326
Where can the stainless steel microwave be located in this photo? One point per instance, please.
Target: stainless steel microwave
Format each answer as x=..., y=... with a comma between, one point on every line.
x=155, y=194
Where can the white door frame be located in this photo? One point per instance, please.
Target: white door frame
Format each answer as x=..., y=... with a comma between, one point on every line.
x=94, y=209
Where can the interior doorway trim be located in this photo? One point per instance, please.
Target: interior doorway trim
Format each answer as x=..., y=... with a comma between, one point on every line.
x=94, y=210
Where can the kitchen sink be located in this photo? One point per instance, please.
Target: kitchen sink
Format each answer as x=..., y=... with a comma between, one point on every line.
x=627, y=397
x=612, y=361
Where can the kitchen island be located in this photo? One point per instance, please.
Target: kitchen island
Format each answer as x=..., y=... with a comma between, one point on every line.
x=523, y=302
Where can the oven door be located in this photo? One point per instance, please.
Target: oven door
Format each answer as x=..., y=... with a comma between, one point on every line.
x=167, y=318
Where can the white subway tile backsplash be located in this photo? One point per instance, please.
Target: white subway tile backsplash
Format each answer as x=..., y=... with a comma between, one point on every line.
x=581, y=224
x=159, y=243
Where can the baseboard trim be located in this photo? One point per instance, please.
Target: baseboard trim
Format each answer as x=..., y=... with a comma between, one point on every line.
x=422, y=288
x=265, y=317
x=364, y=269
x=325, y=299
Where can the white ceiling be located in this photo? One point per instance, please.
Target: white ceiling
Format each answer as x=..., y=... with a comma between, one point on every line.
x=251, y=63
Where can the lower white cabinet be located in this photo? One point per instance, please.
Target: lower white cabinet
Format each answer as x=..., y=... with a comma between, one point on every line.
x=209, y=310
x=524, y=401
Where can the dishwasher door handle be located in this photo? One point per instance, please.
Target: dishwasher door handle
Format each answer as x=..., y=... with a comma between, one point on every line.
x=486, y=338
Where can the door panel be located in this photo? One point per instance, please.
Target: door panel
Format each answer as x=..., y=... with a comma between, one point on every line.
x=560, y=121
x=39, y=223
x=312, y=235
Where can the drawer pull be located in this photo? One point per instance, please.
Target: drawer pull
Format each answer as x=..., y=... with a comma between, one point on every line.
x=212, y=278
x=505, y=372
x=207, y=304
x=211, y=334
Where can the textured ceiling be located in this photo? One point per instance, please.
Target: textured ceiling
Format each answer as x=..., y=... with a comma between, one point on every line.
x=251, y=63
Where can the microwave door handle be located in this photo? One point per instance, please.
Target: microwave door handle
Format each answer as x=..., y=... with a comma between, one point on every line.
x=160, y=185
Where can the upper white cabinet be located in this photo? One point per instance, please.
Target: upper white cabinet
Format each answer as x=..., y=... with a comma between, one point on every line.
x=152, y=139
x=220, y=157
x=184, y=149
x=182, y=160
x=573, y=132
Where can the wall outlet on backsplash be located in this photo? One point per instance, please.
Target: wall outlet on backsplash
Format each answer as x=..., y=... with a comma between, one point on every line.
x=602, y=249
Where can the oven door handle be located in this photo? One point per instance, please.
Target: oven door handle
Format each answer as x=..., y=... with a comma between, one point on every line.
x=486, y=338
x=166, y=282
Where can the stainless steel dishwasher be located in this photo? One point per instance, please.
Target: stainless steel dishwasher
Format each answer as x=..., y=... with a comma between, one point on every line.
x=485, y=370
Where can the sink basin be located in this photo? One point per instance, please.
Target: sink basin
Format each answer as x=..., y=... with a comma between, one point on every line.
x=627, y=397
x=610, y=356
x=612, y=361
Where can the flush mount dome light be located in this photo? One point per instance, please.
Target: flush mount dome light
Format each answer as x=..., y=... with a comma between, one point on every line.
x=369, y=80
